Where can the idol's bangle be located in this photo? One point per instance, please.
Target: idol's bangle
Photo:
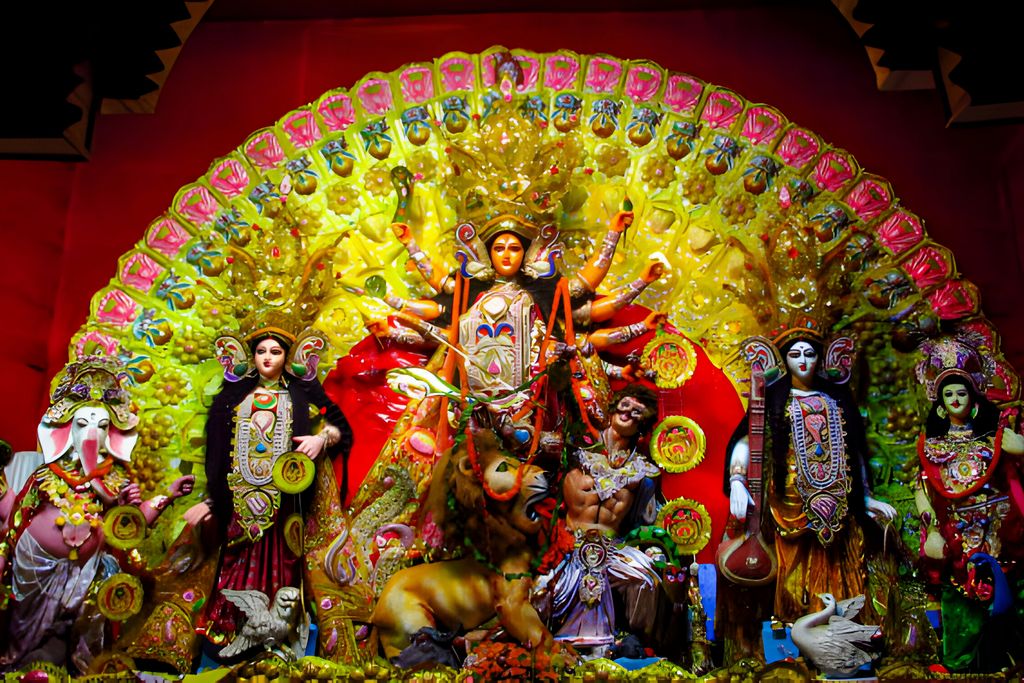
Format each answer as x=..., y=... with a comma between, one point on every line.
x=158, y=503
x=330, y=435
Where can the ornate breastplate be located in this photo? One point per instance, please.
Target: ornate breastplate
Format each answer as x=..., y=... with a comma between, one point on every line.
x=819, y=450
x=958, y=465
x=497, y=334
x=610, y=479
x=263, y=431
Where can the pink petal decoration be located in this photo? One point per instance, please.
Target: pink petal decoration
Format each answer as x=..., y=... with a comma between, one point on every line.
x=900, y=232
x=682, y=93
x=603, y=74
x=92, y=337
x=868, y=199
x=761, y=125
x=229, y=178
x=167, y=237
x=116, y=308
x=198, y=205
x=140, y=271
x=832, y=171
x=928, y=266
x=337, y=111
x=560, y=72
x=301, y=128
x=1006, y=386
x=417, y=84
x=264, y=150
x=721, y=109
x=375, y=94
x=642, y=83
x=982, y=329
x=955, y=299
x=457, y=74
x=797, y=148
x=531, y=71
x=488, y=73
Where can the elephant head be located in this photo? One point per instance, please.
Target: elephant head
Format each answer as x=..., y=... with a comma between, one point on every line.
x=89, y=436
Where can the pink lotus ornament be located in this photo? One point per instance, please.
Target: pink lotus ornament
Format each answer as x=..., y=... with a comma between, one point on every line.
x=682, y=93
x=900, y=231
x=1004, y=385
x=797, y=148
x=955, y=299
x=560, y=72
x=530, y=72
x=832, y=171
x=301, y=129
x=928, y=266
x=417, y=84
x=94, y=343
x=603, y=75
x=167, y=237
x=117, y=308
x=721, y=109
x=229, y=178
x=868, y=199
x=761, y=125
x=642, y=83
x=456, y=74
x=264, y=150
x=140, y=271
x=337, y=111
x=375, y=95
x=198, y=205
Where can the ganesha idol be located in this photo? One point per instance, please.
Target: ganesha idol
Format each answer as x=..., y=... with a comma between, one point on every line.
x=54, y=553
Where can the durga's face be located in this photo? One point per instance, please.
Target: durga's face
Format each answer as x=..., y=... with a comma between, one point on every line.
x=507, y=254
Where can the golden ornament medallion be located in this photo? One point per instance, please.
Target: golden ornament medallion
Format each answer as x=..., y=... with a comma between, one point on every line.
x=124, y=527
x=120, y=597
x=673, y=359
x=293, y=472
x=688, y=523
x=678, y=444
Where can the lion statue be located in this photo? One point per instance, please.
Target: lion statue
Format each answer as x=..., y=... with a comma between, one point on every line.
x=467, y=592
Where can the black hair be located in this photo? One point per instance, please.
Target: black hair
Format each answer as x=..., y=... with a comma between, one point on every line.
x=645, y=396
x=284, y=341
x=984, y=423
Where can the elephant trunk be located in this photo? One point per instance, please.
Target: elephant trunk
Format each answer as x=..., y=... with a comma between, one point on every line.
x=90, y=452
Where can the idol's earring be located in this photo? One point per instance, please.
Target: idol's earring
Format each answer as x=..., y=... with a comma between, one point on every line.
x=941, y=412
x=974, y=411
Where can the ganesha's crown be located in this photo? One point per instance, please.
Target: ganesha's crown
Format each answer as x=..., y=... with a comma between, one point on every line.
x=92, y=380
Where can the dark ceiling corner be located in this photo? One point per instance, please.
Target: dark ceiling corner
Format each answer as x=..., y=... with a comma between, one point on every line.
x=970, y=52
x=66, y=66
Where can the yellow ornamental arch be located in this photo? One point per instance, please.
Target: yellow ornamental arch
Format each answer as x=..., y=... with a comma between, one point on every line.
x=756, y=220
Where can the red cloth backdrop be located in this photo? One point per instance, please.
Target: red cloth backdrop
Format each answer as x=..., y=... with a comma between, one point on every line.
x=64, y=225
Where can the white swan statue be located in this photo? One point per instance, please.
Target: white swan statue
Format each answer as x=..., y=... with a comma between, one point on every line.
x=832, y=641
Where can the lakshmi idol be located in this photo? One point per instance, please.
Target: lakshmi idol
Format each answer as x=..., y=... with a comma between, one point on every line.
x=258, y=436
